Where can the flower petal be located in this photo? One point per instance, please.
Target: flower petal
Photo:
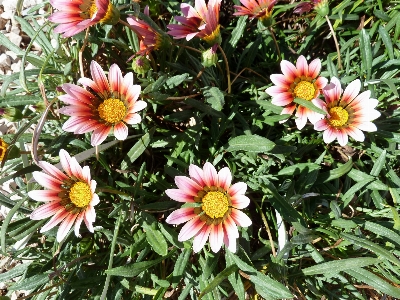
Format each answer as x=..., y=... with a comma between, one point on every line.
x=201, y=238
x=65, y=226
x=179, y=195
x=210, y=175
x=238, y=188
x=240, y=218
x=216, y=237
x=224, y=178
x=190, y=229
x=240, y=201
x=188, y=185
x=181, y=215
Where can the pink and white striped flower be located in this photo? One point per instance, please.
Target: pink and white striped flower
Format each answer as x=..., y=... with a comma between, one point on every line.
x=75, y=16
x=215, y=210
x=69, y=196
x=104, y=105
x=300, y=81
x=201, y=21
x=260, y=9
x=348, y=114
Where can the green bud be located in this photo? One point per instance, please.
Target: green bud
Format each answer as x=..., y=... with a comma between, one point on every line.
x=140, y=64
x=210, y=57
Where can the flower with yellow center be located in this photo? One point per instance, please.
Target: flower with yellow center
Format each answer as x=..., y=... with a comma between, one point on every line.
x=300, y=81
x=201, y=21
x=69, y=196
x=260, y=9
x=215, y=210
x=75, y=16
x=104, y=105
x=348, y=113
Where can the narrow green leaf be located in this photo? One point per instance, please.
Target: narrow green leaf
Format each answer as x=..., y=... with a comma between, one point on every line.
x=137, y=268
x=180, y=266
x=335, y=173
x=250, y=143
x=218, y=279
x=366, y=52
x=236, y=35
x=309, y=105
x=268, y=287
x=374, y=281
x=379, y=164
x=31, y=282
x=176, y=80
x=337, y=266
x=140, y=146
x=299, y=168
x=7, y=221
x=382, y=231
x=235, y=279
x=374, y=248
x=156, y=239
x=387, y=41
x=204, y=108
x=14, y=272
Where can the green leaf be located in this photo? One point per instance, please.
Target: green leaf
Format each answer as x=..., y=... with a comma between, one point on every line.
x=140, y=146
x=335, y=173
x=236, y=35
x=14, y=272
x=374, y=281
x=156, y=239
x=6, y=222
x=382, y=231
x=337, y=266
x=180, y=266
x=378, y=164
x=267, y=287
x=309, y=105
x=218, y=279
x=250, y=143
x=234, y=279
x=374, y=248
x=137, y=268
x=204, y=108
x=299, y=168
x=366, y=52
x=31, y=282
x=215, y=97
x=176, y=80
x=386, y=40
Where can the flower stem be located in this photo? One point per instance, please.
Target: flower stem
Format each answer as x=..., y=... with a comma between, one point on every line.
x=267, y=228
x=336, y=42
x=187, y=47
x=276, y=43
x=81, y=53
x=228, y=74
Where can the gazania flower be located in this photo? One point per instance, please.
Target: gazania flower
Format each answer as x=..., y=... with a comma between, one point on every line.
x=260, y=9
x=201, y=21
x=75, y=16
x=69, y=196
x=217, y=212
x=150, y=39
x=3, y=149
x=347, y=114
x=106, y=104
x=320, y=6
x=300, y=81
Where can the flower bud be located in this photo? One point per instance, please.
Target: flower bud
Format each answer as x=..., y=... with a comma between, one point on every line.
x=11, y=114
x=321, y=7
x=209, y=57
x=140, y=64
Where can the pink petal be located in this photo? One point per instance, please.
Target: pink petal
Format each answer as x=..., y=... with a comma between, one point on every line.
x=201, y=238
x=120, y=131
x=190, y=229
x=179, y=195
x=314, y=68
x=52, y=170
x=88, y=221
x=188, y=185
x=57, y=218
x=301, y=115
x=240, y=218
x=197, y=174
x=280, y=80
x=99, y=77
x=47, y=181
x=78, y=223
x=216, y=237
x=283, y=99
x=115, y=78
x=46, y=210
x=302, y=66
x=321, y=125
x=132, y=119
x=99, y=135
x=329, y=135
x=342, y=137
x=289, y=70
x=181, y=215
x=351, y=91
x=65, y=161
x=224, y=178
x=238, y=188
x=65, y=226
x=210, y=175
x=76, y=169
x=240, y=201
x=132, y=94
x=275, y=90
x=44, y=195
x=138, y=106
x=355, y=133
x=321, y=82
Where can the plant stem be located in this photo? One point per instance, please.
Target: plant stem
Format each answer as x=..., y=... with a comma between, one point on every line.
x=267, y=228
x=81, y=53
x=336, y=42
x=276, y=43
x=228, y=74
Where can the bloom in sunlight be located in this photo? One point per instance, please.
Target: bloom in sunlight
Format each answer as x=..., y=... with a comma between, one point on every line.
x=3, y=149
x=300, y=81
x=104, y=105
x=69, y=196
x=347, y=114
x=201, y=21
x=150, y=39
x=214, y=210
x=260, y=9
x=75, y=16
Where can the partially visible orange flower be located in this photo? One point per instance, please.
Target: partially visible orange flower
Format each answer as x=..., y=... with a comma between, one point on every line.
x=3, y=149
x=75, y=16
x=201, y=21
x=260, y=9
x=150, y=39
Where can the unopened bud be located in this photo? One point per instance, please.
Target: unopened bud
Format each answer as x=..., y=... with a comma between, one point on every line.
x=140, y=64
x=210, y=57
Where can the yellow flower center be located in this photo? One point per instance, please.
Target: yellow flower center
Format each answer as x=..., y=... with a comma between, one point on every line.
x=112, y=15
x=80, y=194
x=3, y=149
x=338, y=116
x=304, y=90
x=213, y=37
x=112, y=110
x=88, y=8
x=215, y=204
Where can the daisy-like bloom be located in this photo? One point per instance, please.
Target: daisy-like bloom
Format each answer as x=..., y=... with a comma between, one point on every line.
x=260, y=9
x=201, y=21
x=347, y=114
x=215, y=210
x=300, y=81
x=104, y=105
x=75, y=16
x=69, y=196
x=150, y=39
x=3, y=149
